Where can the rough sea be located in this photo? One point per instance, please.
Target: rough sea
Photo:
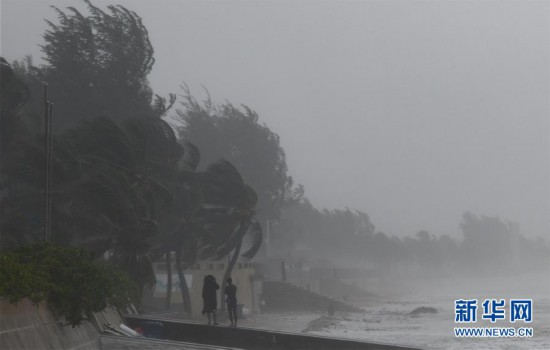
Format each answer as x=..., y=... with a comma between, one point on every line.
x=389, y=320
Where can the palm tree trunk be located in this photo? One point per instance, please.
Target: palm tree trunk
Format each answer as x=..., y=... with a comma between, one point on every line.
x=186, y=298
x=168, y=301
x=228, y=271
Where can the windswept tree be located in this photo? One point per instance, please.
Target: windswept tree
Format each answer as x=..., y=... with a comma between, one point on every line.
x=13, y=96
x=128, y=169
x=230, y=216
x=19, y=207
x=179, y=229
x=97, y=65
x=124, y=186
x=487, y=236
x=235, y=134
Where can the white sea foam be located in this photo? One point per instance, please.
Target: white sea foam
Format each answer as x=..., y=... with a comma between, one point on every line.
x=390, y=321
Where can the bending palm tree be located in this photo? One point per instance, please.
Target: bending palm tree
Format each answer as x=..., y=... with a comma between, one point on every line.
x=230, y=209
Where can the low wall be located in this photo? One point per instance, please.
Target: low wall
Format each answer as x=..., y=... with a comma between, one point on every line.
x=252, y=339
x=125, y=343
x=28, y=326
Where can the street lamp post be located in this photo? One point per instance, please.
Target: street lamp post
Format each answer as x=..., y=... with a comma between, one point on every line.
x=48, y=152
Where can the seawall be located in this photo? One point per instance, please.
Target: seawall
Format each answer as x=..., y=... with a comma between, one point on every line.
x=28, y=326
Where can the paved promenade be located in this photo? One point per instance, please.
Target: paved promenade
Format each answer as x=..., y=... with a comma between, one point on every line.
x=252, y=339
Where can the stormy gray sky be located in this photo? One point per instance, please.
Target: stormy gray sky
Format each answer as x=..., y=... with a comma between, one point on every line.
x=413, y=111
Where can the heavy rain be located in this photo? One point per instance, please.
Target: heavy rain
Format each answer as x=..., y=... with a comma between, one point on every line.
x=274, y=174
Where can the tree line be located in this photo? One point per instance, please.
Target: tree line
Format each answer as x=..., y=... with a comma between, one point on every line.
x=487, y=244
x=128, y=186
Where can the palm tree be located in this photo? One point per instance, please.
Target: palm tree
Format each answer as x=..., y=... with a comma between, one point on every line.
x=178, y=229
x=125, y=168
x=230, y=210
x=160, y=174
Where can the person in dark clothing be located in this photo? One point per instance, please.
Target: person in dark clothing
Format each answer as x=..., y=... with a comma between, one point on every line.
x=210, y=303
x=231, y=300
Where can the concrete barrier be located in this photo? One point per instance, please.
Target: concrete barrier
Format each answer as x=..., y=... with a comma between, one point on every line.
x=26, y=326
x=110, y=342
x=252, y=339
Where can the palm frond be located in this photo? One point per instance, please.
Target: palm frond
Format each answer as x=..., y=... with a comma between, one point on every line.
x=255, y=236
x=191, y=158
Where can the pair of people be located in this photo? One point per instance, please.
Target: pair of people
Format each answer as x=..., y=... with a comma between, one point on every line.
x=210, y=303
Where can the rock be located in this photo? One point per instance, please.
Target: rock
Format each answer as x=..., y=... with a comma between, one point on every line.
x=423, y=310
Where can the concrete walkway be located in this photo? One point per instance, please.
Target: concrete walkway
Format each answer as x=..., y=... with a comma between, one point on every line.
x=112, y=342
x=252, y=339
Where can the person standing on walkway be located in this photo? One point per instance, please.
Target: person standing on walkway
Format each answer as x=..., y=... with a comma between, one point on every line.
x=231, y=299
x=210, y=303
